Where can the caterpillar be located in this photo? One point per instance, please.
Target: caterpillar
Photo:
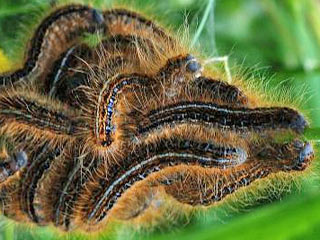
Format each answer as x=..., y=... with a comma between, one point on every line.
x=88, y=129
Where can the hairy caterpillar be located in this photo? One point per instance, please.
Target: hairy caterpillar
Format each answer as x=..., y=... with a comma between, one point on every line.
x=137, y=111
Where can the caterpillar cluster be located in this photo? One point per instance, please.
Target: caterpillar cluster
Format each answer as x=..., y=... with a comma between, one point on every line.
x=92, y=132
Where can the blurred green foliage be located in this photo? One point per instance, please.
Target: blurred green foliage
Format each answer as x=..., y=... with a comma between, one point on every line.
x=277, y=41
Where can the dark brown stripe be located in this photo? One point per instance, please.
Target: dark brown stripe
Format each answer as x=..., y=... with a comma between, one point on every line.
x=224, y=185
x=225, y=117
x=128, y=18
x=108, y=100
x=40, y=160
x=68, y=74
x=38, y=45
x=156, y=157
x=123, y=43
x=16, y=108
x=60, y=67
x=221, y=91
x=79, y=168
x=293, y=156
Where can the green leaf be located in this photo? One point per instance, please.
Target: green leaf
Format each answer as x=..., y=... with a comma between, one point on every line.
x=285, y=220
x=313, y=134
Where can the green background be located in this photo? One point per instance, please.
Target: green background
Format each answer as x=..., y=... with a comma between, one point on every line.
x=276, y=43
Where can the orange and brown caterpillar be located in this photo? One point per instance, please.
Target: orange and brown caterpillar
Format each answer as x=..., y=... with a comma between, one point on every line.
x=57, y=32
x=95, y=127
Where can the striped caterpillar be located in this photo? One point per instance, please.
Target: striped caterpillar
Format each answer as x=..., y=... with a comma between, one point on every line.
x=98, y=131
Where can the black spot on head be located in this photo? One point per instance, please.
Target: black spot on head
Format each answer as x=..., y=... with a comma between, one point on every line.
x=305, y=153
x=189, y=57
x=299, y=123
x=97, y=16
x=21, y=158
x=193, y=66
